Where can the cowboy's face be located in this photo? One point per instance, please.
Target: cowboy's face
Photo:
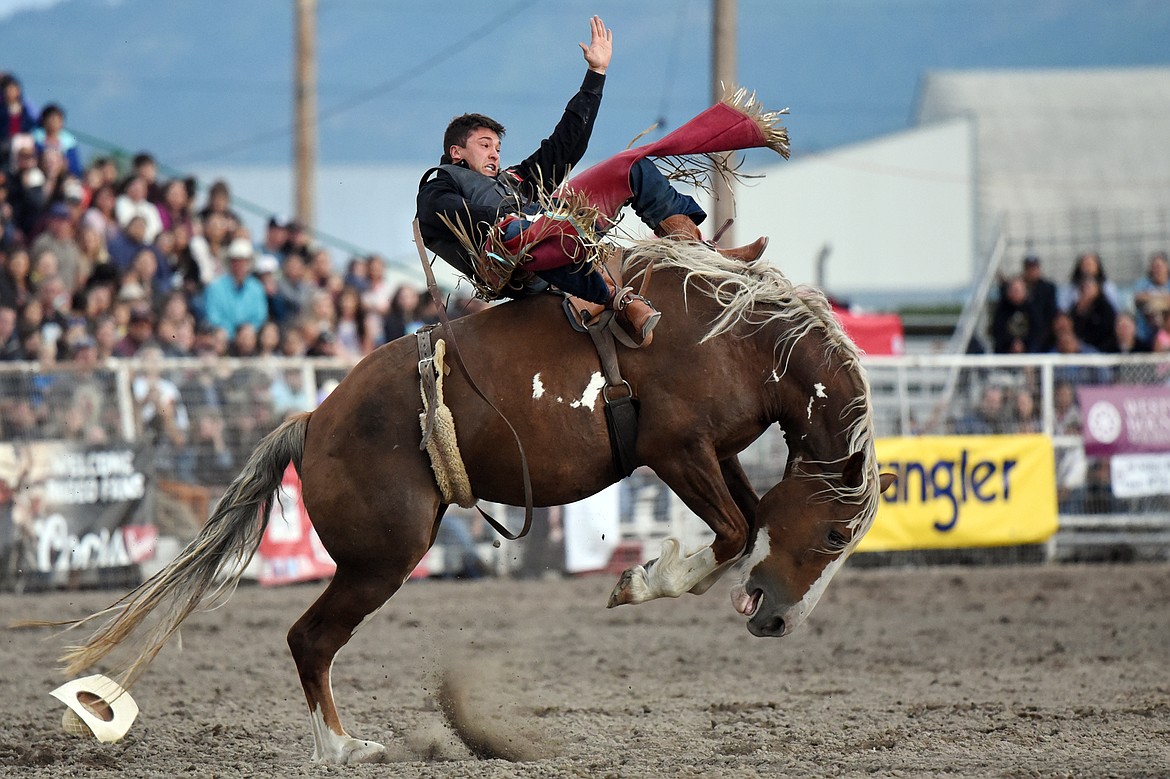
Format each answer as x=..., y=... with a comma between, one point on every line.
x=482, y=152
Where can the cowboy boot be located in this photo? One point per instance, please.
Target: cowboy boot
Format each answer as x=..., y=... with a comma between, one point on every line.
x=635, y=315
x=680, y=227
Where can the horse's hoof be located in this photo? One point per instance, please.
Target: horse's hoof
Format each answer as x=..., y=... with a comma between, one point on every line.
x=365, y=752
x=631, y=588
x=347, y=750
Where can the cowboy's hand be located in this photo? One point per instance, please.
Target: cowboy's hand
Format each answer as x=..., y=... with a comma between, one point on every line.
x=600, y=48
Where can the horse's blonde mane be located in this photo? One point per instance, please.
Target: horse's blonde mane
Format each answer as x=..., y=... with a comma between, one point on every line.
x=753, y=295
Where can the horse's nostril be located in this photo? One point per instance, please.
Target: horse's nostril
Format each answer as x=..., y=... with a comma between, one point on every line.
x=776, y=626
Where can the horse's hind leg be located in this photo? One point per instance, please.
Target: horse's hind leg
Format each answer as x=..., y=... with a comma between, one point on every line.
x=359, y=588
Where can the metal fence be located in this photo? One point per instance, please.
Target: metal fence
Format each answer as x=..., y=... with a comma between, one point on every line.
x=203, y=418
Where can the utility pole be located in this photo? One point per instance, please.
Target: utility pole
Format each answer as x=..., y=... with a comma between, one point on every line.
x=305, y=114
x=723, y=57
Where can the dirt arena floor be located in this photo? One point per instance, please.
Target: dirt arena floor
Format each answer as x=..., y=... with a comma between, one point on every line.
x=1047, y=671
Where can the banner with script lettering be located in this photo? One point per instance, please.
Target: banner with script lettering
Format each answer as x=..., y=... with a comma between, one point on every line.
x=964, y=491
x=74, y=515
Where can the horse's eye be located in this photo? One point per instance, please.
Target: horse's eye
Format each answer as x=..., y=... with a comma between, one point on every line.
x=837, y=541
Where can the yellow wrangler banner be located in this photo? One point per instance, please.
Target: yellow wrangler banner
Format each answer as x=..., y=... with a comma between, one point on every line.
x=959, y=491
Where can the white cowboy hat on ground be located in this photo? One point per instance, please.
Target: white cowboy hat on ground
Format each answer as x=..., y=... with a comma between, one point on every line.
x=97, y=705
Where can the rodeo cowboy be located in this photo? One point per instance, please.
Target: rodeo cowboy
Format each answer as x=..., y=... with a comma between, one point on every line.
x=490, y=222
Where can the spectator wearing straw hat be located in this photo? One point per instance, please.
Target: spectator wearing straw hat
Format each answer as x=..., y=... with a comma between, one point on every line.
x=237, y=296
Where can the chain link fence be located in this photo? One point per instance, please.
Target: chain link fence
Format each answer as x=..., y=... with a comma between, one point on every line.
x=202, y=418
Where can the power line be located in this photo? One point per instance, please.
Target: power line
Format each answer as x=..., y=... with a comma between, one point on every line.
x=378, y=90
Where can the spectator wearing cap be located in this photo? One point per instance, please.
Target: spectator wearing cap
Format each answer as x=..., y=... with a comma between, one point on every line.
x=268, y=272
x=51, y=134
x=294, y=290
x=275, y=238
x=237, y=296
x=58, y=238
x=298, y=239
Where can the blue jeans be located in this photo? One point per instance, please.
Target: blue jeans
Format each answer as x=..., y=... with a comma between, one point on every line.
x=654, y=199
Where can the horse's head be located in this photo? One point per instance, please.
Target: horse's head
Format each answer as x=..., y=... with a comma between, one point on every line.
x=805, y=528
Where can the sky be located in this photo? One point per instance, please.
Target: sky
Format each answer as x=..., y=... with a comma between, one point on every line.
x=206, y=85
x=209, y=81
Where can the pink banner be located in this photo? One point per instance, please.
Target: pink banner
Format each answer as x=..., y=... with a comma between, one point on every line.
x=1125, y=419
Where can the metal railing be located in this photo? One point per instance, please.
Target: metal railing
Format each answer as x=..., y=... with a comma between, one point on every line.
x=204, y=418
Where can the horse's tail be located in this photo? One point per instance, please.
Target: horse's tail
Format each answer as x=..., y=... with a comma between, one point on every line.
x=208, y=570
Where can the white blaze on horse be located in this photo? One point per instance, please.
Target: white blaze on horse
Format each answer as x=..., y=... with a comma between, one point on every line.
x=739, y=349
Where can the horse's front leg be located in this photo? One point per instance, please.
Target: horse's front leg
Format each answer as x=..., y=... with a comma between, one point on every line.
x=702, y=485
x=745, y=498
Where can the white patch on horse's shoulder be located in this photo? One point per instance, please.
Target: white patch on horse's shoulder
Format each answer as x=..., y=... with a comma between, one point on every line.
x=820, y=388
x=537, y=387
x=592, y=391
x=810, y=402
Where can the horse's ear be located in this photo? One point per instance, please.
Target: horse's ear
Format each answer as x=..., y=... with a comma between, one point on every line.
x=887, y=480
x=854, y=471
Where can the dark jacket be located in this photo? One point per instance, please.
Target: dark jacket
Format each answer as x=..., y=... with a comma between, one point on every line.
x=1012, y=324
x=1095, y=325
x=441, y=192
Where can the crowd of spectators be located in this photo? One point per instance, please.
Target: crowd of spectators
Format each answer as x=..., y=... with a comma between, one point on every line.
x=1087, y=315
x=104, y=258
x=94, y=257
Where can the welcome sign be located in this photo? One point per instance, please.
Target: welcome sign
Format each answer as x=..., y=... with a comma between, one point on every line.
x=74, y=514
x=963, y=491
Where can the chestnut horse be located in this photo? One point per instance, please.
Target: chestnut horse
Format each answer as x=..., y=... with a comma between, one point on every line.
x=739, y=348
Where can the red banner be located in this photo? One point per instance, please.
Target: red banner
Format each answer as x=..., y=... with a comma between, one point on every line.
x=874, y=333
x=290, y=550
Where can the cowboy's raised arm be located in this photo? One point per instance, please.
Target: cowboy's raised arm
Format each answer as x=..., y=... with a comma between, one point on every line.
x=600, y=48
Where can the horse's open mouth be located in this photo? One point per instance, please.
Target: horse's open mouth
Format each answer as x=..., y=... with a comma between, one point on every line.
x=745, y=603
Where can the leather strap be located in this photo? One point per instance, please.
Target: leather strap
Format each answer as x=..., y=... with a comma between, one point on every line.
x=426, y=372
x=621, y=410
x=445, y=323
